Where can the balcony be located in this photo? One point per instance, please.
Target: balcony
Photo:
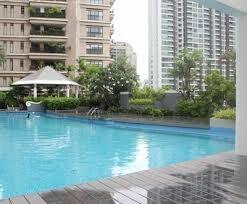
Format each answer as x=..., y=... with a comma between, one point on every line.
x=47, y=50
x=56, y=64
x=53, y=12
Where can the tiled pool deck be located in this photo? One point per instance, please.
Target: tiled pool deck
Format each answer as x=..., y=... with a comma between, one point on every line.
x=220, y=178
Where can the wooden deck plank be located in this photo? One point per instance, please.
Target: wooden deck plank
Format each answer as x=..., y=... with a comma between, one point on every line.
x=19, y=200
x=81, y=195
x=34, y=199
x=65, y=197
x=5, y=201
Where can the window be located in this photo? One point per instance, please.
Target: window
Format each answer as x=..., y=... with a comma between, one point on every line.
x=11, y=47
x=11, y=11
x=5, y=12
x=95, y=31
x=22, y=46
x=22, y=64
x=5, y=45
x=96, y=1
x=5, y=28
x=22, y=10
x=22, y=28
x=11, y=65
x=4, y=81
x=94, y=48
x=99, y=63
x=96, y=15
x=12, y=29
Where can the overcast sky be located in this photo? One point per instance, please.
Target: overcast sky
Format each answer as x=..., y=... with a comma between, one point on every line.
x=131, y=25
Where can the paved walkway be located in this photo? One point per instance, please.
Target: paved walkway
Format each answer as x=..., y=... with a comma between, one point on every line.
x=219, y=179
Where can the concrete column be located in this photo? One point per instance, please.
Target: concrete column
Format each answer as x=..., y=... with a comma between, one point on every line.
x=35, y=91
x=241, y=106
x=68, y=90
x=77, y=91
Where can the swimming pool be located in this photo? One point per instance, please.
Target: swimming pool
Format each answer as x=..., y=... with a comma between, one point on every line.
x=48, y=151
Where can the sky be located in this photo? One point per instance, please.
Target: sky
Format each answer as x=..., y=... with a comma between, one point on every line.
x=131, y=25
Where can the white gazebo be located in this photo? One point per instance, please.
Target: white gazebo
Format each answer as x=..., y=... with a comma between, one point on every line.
x=45, y=77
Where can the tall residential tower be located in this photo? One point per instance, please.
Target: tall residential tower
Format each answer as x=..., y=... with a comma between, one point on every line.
x=35, y=33
x=178, y=24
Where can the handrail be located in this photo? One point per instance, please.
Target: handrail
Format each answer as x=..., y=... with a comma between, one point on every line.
x=93, y=111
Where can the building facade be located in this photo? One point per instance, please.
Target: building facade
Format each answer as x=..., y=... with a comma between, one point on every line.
x=35, y=33
x=178, y=24
x=123, y=49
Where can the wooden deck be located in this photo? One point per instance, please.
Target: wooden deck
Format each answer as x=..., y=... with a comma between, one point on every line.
x=219, y=179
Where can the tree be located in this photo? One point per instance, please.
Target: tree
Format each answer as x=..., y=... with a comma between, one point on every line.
x=219, y=90
x=2, y=55
x=186, y=70
x=105, y=84
x=229, y=59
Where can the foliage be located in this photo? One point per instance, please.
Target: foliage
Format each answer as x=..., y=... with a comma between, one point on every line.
x=229, y=59
x=219, y=93
x=3, y=96
x=154, y=112
x=2, y=55
x=219, y=90
x=56, y=103
x=105, y=84
x=227, y=114
x=141, y=101
x=148, y=93
x=54, y=12
x=15, y=96
x=185, y=70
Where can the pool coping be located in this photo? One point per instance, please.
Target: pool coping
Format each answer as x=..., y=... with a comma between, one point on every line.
x=219, y=178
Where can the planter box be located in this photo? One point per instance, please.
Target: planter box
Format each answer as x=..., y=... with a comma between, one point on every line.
x=140, y=107
x=215, y=122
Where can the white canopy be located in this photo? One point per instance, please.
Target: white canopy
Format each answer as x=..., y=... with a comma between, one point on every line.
x=45, y=76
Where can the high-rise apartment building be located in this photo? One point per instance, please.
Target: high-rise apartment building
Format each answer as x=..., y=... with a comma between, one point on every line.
x=123, y=49
x=178, y=24
x=35, y=33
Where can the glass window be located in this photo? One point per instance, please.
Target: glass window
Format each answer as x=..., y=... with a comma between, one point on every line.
x=95, y=31
x=94, y=48
x=11, y=47
x=22, y=46
x=22, y=28
x=22, y=64
x=96, y=15
x=98, y=63
x=5, y=12
x=22, y=10
x=12, y=11
x=11, y=64
x=96, y=1
x=5, y=29
x=12, y=29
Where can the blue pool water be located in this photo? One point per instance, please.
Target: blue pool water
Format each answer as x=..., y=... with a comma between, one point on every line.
x=49, y=151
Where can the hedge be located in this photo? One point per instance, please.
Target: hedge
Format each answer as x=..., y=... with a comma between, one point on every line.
x=227, y=114
x=57, y=103
x=154, y=112
x=141, y=102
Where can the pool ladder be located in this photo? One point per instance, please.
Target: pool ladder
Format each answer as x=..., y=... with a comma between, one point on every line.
x=93, y=112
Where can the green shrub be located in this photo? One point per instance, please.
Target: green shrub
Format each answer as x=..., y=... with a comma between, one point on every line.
x=200, y=107
x=148, y=93
x=152, y=112
x=56, y=103
x=227, y=114
x=3, y=98
x=186, y=108
x=141, y=102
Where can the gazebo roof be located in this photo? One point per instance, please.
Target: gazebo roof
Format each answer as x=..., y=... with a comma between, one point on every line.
x=45, y=76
